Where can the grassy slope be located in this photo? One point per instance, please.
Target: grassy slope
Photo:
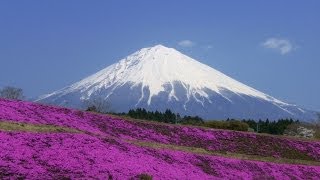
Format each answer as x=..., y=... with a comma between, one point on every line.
x=152, y=138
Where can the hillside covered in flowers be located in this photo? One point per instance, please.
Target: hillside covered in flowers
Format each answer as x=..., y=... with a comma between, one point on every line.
x=46, y=142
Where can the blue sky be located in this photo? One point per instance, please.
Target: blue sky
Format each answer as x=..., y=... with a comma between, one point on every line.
x=272, y=46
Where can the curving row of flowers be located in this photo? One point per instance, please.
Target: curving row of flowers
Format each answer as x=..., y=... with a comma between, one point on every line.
x=69, y=155
x=215, y=140
x=92, y=155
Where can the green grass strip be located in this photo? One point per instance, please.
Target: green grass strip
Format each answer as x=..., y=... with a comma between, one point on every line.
x=27, y=127
x=223, y=154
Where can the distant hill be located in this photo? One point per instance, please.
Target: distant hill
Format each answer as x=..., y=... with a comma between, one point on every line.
x=46, y=142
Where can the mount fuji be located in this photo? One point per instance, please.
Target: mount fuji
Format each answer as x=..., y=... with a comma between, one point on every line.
x=159, y=78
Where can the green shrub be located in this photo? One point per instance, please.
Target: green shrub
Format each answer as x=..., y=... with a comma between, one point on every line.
x=271, y=127
x=92, y=109
x=317, y=130
x=317, y=134
x=231, y=125
x=144, y=176
x=191, y=120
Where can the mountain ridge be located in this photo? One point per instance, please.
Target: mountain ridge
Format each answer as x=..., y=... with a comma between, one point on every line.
x=158, y=77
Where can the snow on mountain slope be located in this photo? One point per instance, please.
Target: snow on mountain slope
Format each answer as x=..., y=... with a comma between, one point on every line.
x=159, y=77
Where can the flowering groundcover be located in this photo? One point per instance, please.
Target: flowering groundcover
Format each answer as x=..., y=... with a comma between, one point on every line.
x=100, y=148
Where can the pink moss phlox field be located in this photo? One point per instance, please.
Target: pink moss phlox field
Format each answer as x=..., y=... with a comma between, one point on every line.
x=102, y=151
x=66, y=155
x=216, y=140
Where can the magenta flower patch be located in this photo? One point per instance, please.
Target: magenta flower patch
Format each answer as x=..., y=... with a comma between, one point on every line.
x=103, y=150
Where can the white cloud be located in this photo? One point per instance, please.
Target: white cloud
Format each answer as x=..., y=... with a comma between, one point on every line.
x=186, y=43
x=283, y=46
x=209, y=47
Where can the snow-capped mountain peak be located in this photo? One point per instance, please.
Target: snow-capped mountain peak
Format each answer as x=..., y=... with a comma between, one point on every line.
x=156, y=66
x=160, y=74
